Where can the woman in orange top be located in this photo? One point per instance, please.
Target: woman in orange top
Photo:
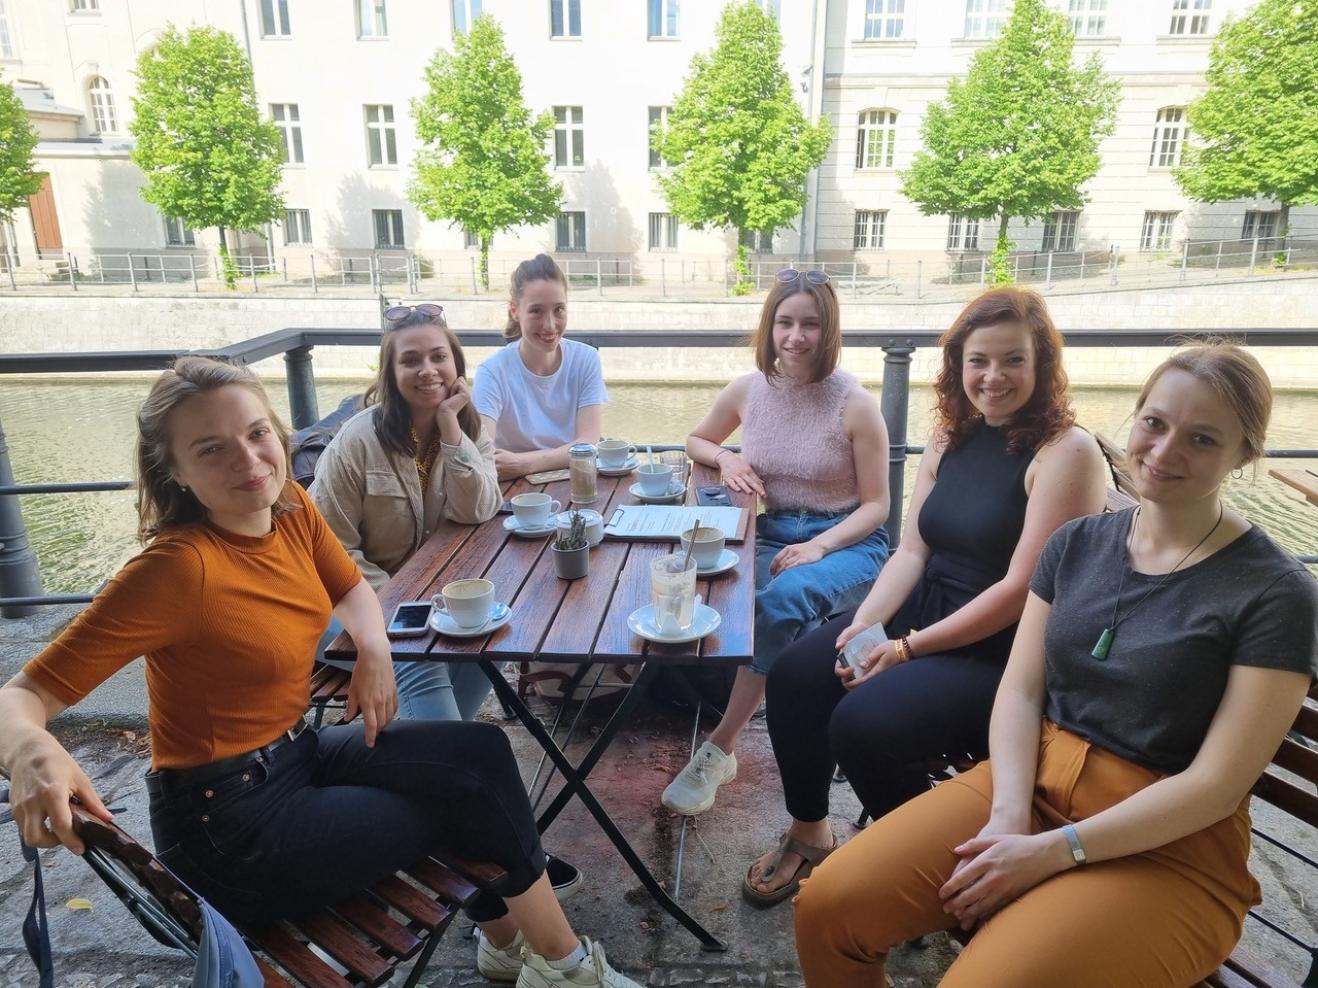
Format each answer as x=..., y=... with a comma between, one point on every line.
x=248, y=806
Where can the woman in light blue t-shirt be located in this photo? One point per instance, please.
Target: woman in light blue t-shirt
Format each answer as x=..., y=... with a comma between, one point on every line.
x=541, y=393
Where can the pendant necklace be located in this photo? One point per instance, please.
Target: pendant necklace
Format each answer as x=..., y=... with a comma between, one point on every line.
x=1104, y=643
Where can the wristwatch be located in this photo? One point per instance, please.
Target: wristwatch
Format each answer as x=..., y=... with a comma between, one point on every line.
x=1077, y=849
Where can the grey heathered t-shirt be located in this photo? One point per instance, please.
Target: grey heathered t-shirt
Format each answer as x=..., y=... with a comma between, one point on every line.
x=1151, y=700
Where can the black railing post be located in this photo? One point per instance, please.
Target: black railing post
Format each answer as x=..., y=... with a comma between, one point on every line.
x=896, y=395
x=19, y=575
x=301, y=387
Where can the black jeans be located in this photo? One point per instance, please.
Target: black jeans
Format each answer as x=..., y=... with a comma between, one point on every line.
x=882, y=733
x=324, y=816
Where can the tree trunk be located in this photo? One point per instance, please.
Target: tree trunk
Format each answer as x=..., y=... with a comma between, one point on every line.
x=1282, y=256
x=485, y=263
x=226, y=265
x=1002, y=274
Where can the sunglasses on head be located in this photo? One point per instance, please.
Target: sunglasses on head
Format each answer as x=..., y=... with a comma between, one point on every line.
x=788, y=275
x=398, y=313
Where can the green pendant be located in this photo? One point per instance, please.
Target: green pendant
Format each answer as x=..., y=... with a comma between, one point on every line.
x=1103, y=645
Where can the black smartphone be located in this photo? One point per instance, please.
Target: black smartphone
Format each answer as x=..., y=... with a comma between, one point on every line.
x=713, y=494
x=506, y=508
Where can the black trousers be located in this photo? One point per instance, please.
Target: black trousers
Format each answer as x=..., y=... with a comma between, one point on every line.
x=882, y=733
x=325, y=816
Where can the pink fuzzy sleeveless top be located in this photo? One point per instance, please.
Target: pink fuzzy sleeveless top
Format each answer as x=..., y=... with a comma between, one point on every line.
x=792, y=436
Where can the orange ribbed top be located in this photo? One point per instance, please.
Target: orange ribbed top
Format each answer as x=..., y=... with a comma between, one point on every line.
x=228, y=624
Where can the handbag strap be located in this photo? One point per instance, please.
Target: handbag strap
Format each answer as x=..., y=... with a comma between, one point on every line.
x=36, y=925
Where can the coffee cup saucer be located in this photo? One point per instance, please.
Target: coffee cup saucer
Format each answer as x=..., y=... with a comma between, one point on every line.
x=704, y=620
x=619, y=471
x=511, y=524
x=500, y=614
x=638, y=492
x=727, y=560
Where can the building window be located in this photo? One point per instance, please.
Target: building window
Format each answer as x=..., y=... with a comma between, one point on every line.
x=758, y=241
x=177, y=233
x=875, y=138
x=663, y=231
x=297, y=226
x=1261, y=223
x=381, y=142
x=772, y=7
x=464, y=12
x=1088, y=17
x=84, y=6
x=663, y=18
x=372, y=20
x=470, y=241
x=869, y=229
x=565, y=18
x=985, y=18
x=884, y=19
x=1190, y=16
x=1059, y=230
x=1169, y=135
x=1157, y=231
x=570, y=231
x=104, y=120
x=569, y=137
x=658, y=124
x=388, y=228
x=289, y=125
x=274, y=19
x=962, y=233
x=6, y=38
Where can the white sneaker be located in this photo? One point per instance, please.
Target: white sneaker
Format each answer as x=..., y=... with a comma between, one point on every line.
x=499, y=963
x=694, y=788
x=594, y=972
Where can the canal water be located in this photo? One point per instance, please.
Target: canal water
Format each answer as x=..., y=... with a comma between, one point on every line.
x=82, y=430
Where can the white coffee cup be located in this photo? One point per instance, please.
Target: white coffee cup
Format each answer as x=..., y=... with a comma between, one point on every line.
x=534, y=510
x=468, y=602
x=594, y=524
x=656, y=478
x=708, y=547
x=614, y=452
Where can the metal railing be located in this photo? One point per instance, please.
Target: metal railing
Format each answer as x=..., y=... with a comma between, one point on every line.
x=20, y=583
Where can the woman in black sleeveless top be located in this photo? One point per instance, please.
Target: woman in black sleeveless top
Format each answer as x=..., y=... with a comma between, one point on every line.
x=1004, y=467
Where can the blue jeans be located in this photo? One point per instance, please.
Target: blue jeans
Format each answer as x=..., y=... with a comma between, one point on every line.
x=802, y=597
x=427, y=690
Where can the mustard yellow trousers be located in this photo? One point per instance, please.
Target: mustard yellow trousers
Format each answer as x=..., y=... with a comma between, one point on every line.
x=1166, y=918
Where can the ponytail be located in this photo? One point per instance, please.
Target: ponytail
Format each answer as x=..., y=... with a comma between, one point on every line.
x=539, y=268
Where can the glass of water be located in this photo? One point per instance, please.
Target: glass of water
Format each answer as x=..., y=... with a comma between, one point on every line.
x=673, y=592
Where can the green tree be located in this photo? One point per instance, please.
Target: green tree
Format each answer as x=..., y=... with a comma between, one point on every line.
x=1019, y=135
x=740, y=145
x=17, y=139
x=483, y=164
x=208, y=157
x=1256, y=127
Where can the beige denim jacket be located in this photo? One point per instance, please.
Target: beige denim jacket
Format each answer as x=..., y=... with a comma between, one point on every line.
x=373, y=501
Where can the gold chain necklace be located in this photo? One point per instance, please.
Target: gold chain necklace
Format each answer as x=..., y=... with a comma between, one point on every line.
x=424, y=459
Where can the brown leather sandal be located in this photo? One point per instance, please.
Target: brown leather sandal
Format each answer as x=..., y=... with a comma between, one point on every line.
x=810, y=858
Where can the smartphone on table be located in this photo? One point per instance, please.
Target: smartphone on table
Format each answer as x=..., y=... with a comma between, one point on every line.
x=410, y=620
x=713, y=494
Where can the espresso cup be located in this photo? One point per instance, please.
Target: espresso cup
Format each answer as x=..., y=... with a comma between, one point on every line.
x=534, y=510
x=706, y=545
x=656, y=478
x=614, y=452
x=468, y=602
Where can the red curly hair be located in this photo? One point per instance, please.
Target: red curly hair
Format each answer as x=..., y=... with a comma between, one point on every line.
x=1047, y=414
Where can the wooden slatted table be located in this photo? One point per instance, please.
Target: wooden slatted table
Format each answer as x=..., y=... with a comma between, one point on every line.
x=582, y=621
x=1304, y=481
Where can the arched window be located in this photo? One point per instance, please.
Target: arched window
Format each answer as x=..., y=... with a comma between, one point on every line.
x=101, y=98
x=1169, y=136
x=875, y=138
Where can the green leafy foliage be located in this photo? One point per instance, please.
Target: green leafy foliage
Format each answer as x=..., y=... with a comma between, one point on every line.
x=483, y=164
x=1019, y=135
x=208, y=157
x=1255, y=129
x=17, y=139
x=740, y=145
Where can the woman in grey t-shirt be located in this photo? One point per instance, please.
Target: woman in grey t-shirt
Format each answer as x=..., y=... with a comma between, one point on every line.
x=1162, y=655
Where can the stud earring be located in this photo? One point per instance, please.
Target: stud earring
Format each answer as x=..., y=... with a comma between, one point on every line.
x=1237, y=473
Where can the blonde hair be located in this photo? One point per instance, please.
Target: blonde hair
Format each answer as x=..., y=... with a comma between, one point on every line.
x=542, y=267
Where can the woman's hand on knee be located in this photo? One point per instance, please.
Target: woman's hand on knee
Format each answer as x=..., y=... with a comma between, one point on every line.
x=374, y=693
x=798, y=554
x=997, y=869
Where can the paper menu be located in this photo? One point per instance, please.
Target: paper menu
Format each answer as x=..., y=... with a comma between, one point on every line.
x=669, y=521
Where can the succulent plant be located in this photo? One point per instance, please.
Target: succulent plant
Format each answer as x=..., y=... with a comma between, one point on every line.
x=574, y=536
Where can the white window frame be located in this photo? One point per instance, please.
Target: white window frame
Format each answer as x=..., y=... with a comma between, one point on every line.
x=372, y=19
x=758, y=241
x=288, y=121
x=1156, y=233
x=663, y=232
x=470, y=241
x=100, y=96
x=657, y=122
x=274, y=19
x=177, y=233
x=297, y=227
x=569, y=137
x=1260, y=223
x=464, y=12
x=1190, y=17
x=885, y=20
x=564, y=19
x=84, y=6
x=1170, y=132
x=869, y=229
x=771, y=7
x=962, y=233
x=381, y=135
x=570, y=231
x=7, y=47
x=664, y=15
x=393, y=221
x=1088, y=17
x=876, y=139
x=985, y=19
x=1059, y=231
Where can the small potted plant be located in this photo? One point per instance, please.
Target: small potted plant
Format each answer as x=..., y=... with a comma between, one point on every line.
x=571, y=549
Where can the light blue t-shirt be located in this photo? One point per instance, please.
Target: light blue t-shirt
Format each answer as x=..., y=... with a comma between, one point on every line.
x=534, y=412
